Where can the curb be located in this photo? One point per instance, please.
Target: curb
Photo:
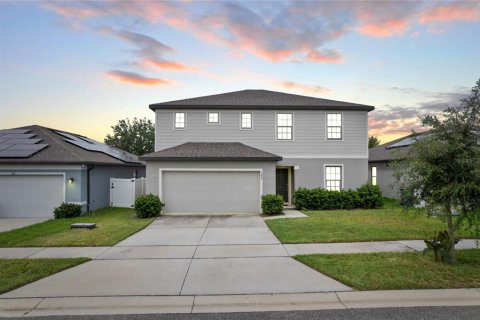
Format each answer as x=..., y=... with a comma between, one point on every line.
x=19, y=307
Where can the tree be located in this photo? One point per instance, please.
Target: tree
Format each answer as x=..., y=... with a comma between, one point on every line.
x=441, y=171
x=373, y=142
x=136, y=136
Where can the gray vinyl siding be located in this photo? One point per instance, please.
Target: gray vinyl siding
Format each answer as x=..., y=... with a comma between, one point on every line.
x=309, y=132
x=310, y=173
x=268, y=169
x=385, y=179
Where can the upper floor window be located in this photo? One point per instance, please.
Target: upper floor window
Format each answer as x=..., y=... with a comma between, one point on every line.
x=333, y=178
x=180, y=120
x=284, y=126
x=374, y=176
x=334, y=126
x=246, y=121
x=213, y=117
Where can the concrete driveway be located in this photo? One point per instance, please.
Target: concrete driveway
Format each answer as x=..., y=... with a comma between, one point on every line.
x=188, y=256
x=7, y=224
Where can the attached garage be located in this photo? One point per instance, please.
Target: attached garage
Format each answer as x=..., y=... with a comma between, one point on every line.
x=211, y=191
x=30, y=195
x=211, y=177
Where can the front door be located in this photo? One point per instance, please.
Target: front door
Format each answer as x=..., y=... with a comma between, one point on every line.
x=282, y=183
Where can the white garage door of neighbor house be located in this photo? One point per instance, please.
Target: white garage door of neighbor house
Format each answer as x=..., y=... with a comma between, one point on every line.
x=211, y=191
x=30, y=195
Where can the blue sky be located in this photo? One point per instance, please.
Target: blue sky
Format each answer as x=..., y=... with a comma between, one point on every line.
x=82, y=66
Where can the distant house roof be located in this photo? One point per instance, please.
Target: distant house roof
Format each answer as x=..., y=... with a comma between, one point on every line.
x=391, y=150
x=260, y=99
x=67, y=148
x=215, y=151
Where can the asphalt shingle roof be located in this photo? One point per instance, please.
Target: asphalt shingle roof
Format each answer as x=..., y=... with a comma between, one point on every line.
x=61, y=152
x=260, y=99
x=218, y=151
x=384, y=153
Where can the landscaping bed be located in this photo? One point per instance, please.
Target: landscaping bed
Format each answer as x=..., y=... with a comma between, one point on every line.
x=392, y=271
x=385, y=224
x=113, y=225
x=15, y=273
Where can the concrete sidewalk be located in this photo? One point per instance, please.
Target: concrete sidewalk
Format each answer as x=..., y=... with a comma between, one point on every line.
x=236, y=303
x=213, y=250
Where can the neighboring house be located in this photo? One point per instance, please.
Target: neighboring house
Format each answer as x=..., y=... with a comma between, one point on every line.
x=380, y=159
x=220, y=153
x=42, y=167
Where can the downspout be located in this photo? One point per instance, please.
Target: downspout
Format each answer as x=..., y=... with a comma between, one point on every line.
x=89, y=167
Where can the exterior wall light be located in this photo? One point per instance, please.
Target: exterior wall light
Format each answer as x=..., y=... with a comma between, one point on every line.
x=70, y=180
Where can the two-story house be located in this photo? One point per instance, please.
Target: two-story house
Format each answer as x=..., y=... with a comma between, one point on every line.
x=220, y=153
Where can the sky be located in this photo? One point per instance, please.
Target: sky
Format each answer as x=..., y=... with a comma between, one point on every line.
x=81, y=66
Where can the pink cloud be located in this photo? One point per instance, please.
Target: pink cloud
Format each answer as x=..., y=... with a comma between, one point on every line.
x=387, y=28
x=165, y=64
x=327, y=56
x=135, y=78
x=305, y=88
x=469, y=12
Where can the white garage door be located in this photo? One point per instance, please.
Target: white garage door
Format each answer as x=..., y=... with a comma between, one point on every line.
x=30, y=196
x=211, y=191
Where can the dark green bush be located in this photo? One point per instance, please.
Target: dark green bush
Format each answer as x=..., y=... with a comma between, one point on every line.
x=370, y=196
x=272, y=204
x=367, y=196
x=147, y=206
x=67, y=210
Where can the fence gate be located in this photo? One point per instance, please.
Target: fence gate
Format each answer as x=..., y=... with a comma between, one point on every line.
x=123, y=192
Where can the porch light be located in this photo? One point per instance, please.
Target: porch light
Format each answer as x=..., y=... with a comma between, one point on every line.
x=70, y=180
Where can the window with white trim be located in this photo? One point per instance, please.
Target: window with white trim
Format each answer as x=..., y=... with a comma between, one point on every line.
x=246, y=121
x=284, y=126
x=333, y=178
x=213, y=117
x=374, y=176
x=334, y=126
x=179, y=121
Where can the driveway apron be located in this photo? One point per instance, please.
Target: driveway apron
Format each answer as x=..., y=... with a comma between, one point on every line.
x=189, y=255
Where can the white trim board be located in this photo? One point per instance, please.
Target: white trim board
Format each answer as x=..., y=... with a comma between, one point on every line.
x=260, y=171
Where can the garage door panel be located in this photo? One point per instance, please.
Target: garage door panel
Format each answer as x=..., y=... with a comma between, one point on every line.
x=211, y=191
x=30, y=195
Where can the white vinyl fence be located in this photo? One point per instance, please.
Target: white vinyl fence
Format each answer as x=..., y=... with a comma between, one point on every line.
x=123, y=192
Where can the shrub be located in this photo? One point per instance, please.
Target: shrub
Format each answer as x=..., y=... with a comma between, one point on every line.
x=147, y=206
x=272, y=204
x=370, y=196
x=67, y=210
x=367, y=196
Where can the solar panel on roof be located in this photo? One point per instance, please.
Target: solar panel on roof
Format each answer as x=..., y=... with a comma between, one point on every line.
x=3, y=131
x=407, y=141
x=22, y=141
x=92, y=145
x=5, y=146
x=34, y=147
x=16, y=153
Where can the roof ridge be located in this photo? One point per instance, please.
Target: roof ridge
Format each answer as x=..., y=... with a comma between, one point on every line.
x=58, y=141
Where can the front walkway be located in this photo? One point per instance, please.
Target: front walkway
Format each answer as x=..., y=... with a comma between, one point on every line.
x=184, y=256
x=7, y=224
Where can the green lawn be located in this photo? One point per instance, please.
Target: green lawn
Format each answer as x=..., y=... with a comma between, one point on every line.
x=113, y=225
x=393, y=270
x=388, y=223
x=15, y=273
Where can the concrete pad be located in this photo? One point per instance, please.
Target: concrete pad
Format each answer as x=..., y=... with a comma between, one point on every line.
x=227, y=236
x=389, y=246
x=113, y=305
x=153, y=252
x=180, y=222
x=240, y=251
x=164, y=237
x=110, y=278
x=7, y=224
x=309, y=248
x=69, y=252
x=17, y=307
x=236, y=222
x=409, y=298
x=17, y=253
x=290, y=213
x=354, y=247
x=270, y=302
x=254, y=276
